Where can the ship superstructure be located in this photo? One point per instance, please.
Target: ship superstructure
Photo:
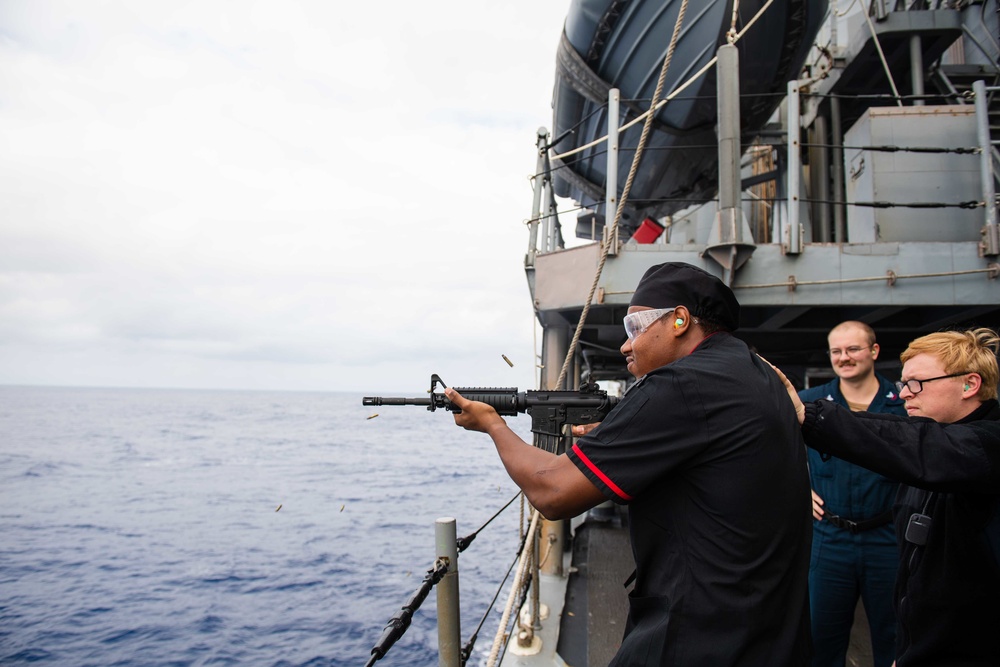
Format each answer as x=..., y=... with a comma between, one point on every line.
x=870, y=194
x=843, y=168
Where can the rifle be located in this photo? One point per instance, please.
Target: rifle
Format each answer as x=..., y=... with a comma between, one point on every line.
x=550, y=410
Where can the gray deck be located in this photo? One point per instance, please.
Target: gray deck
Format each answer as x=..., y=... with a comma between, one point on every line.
x=596, y=607
x=596, y=603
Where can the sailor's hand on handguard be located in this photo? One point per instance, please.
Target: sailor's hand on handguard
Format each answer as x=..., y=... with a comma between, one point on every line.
x=584, y=429
x=474, y=416
x=800, y=409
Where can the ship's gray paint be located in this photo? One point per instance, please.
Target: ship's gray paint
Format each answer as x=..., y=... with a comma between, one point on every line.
x=818, y=262
x=904, y=177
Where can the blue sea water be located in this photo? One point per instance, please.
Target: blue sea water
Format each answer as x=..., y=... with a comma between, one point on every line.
x=141, y=527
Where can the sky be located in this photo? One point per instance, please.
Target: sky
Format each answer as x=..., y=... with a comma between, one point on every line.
x=314, y=195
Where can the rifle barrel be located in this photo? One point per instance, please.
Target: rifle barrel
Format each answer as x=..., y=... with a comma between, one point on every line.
x=394, y=400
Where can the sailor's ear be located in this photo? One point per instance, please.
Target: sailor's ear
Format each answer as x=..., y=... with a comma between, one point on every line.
x=875, y=350
x=682, y=319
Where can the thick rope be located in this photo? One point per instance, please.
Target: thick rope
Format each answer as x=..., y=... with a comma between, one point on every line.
x=548, y=550
x=881, y=55
x=467, y=650
x=610, y=236
x=515, y=587
x=731, y=35
x=833, y=8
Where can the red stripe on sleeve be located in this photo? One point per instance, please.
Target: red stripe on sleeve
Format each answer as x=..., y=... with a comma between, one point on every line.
x=597, y=471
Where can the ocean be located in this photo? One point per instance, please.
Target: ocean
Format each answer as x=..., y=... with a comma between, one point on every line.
x=177, y=527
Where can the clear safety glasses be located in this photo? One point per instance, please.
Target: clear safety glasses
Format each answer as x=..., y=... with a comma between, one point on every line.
x=638, y=322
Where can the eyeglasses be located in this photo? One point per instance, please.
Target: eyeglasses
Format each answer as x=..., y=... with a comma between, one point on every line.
x=917, y=386
x=637, y=323
x=852, y=351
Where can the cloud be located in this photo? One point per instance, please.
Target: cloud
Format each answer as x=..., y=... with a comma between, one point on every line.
x=268, y=195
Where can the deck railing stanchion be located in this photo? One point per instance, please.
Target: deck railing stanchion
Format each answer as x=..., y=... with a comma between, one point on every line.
x=792, y=239
x=536, y=203
x=837, y=172
x=990, y=244
x=449, y=618
x=611, y=196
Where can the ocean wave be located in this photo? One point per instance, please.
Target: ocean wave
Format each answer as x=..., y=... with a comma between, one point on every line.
x=245, y=528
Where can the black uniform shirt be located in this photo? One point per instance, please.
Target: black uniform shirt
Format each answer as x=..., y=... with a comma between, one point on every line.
x=948, y=583
x=707, y=453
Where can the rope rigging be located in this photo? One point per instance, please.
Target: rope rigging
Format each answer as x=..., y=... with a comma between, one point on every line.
x=577, y=157
x=519, y=582
x=399, y=622
x=960, y=150
x=467, y=649
x=889, y=204
x=886, y=148
x=732, y=37
x=646, y=129
x=881, y=55
x=573, y=129
x=464, y=542
x=870, y=204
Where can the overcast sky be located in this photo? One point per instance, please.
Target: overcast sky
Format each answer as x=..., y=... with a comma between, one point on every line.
x=313, y=195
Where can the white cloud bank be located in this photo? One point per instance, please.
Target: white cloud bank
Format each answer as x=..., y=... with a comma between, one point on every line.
x=269, y=195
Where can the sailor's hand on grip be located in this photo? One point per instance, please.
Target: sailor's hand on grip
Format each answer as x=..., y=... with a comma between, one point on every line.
x=584, y=429
x=474, y=416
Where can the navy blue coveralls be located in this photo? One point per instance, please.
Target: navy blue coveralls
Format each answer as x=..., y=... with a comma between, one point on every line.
x=854, y=548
